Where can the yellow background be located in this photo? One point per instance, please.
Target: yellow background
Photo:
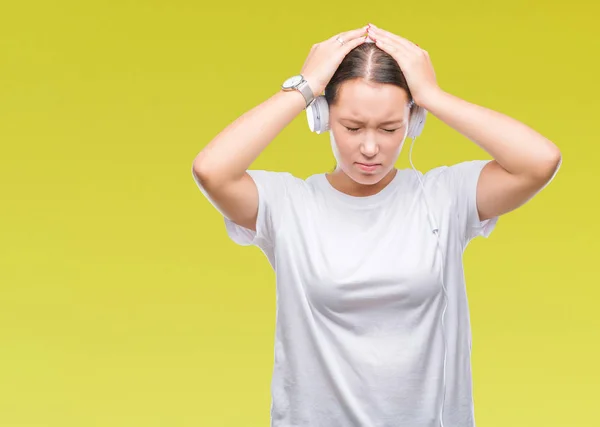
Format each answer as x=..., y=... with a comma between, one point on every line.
x=122, y=301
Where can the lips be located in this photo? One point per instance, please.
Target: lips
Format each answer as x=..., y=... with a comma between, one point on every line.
x=368, y=167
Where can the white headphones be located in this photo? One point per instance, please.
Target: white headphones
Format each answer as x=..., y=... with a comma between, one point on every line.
x=317, y=114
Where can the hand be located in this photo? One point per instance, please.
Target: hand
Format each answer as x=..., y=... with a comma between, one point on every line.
x=324, y=58
x=413, y=61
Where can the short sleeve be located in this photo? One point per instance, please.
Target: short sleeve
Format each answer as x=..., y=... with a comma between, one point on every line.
x=272, y=193
x=462, y=180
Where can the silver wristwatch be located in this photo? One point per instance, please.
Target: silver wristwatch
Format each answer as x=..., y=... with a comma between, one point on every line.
x=298, y=83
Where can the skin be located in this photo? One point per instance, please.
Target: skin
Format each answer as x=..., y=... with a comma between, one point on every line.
x=524, y=160
x=369, y=141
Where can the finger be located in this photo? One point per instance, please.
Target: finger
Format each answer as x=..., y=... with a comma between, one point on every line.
x=352, y=34
x=393, y=47
x=353, y=43
x=394, y=41
x=378, y=32
x=348, y=46
x=385, y=33
x=395, y=50
x=400, y=53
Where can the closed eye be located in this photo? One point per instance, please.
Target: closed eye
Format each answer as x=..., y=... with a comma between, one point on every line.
x=386, y=130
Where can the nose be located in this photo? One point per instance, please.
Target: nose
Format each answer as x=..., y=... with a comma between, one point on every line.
x=369, y=148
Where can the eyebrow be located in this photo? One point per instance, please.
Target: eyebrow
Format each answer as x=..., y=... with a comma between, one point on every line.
x=387, y=122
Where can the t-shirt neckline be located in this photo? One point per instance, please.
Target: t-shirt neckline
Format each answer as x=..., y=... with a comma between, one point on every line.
x=360, y=200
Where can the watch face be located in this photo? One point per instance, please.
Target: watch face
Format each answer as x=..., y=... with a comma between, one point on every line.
x=292, y=81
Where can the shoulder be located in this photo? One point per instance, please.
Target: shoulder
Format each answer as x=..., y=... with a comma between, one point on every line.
x=272, y=177
x=456, y=173
x=278, y=182
x=451, y=183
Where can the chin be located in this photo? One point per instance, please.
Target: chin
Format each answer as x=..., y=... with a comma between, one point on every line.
x=367, y=177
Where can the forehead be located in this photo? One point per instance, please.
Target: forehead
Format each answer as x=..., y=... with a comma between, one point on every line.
x=361, y=99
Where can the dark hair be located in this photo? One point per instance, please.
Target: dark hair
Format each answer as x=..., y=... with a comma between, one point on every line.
x=369, y=62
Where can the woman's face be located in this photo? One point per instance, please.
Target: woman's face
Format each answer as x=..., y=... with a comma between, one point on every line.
x=368, y=122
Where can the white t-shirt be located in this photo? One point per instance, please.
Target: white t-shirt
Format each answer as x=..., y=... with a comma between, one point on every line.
x=359, y=298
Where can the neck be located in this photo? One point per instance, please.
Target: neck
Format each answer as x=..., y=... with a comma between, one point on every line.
x=343, y=183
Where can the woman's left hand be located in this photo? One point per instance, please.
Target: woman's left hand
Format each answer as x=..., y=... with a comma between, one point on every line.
x=413, y=61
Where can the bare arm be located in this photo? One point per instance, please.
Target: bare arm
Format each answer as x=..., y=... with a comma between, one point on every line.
x=232, y=151
x=221, y=166
x=524, y=160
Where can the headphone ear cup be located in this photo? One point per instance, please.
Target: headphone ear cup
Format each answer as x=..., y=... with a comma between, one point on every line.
x=416, y=121
x=317, y=114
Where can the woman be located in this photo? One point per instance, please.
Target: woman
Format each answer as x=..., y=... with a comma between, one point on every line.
x=372, y=323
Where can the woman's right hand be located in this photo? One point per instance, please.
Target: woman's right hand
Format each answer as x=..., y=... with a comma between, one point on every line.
x=324, y=58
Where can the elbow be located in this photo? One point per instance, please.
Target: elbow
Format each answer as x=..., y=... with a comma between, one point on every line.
x=549, y=167
x=554, y=161
x=210, y=171
x=207, y=174
x=200, y=170
x=201, y=165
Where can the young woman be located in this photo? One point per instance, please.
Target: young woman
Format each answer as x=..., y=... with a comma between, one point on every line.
x=372, y=324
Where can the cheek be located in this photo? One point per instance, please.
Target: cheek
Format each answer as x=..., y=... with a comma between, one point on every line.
x=396, y=148
x=341, y=147
x=393, y=146
x=337, y=145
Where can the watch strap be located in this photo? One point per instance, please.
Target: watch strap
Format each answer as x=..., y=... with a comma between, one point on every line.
x=306, y=91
